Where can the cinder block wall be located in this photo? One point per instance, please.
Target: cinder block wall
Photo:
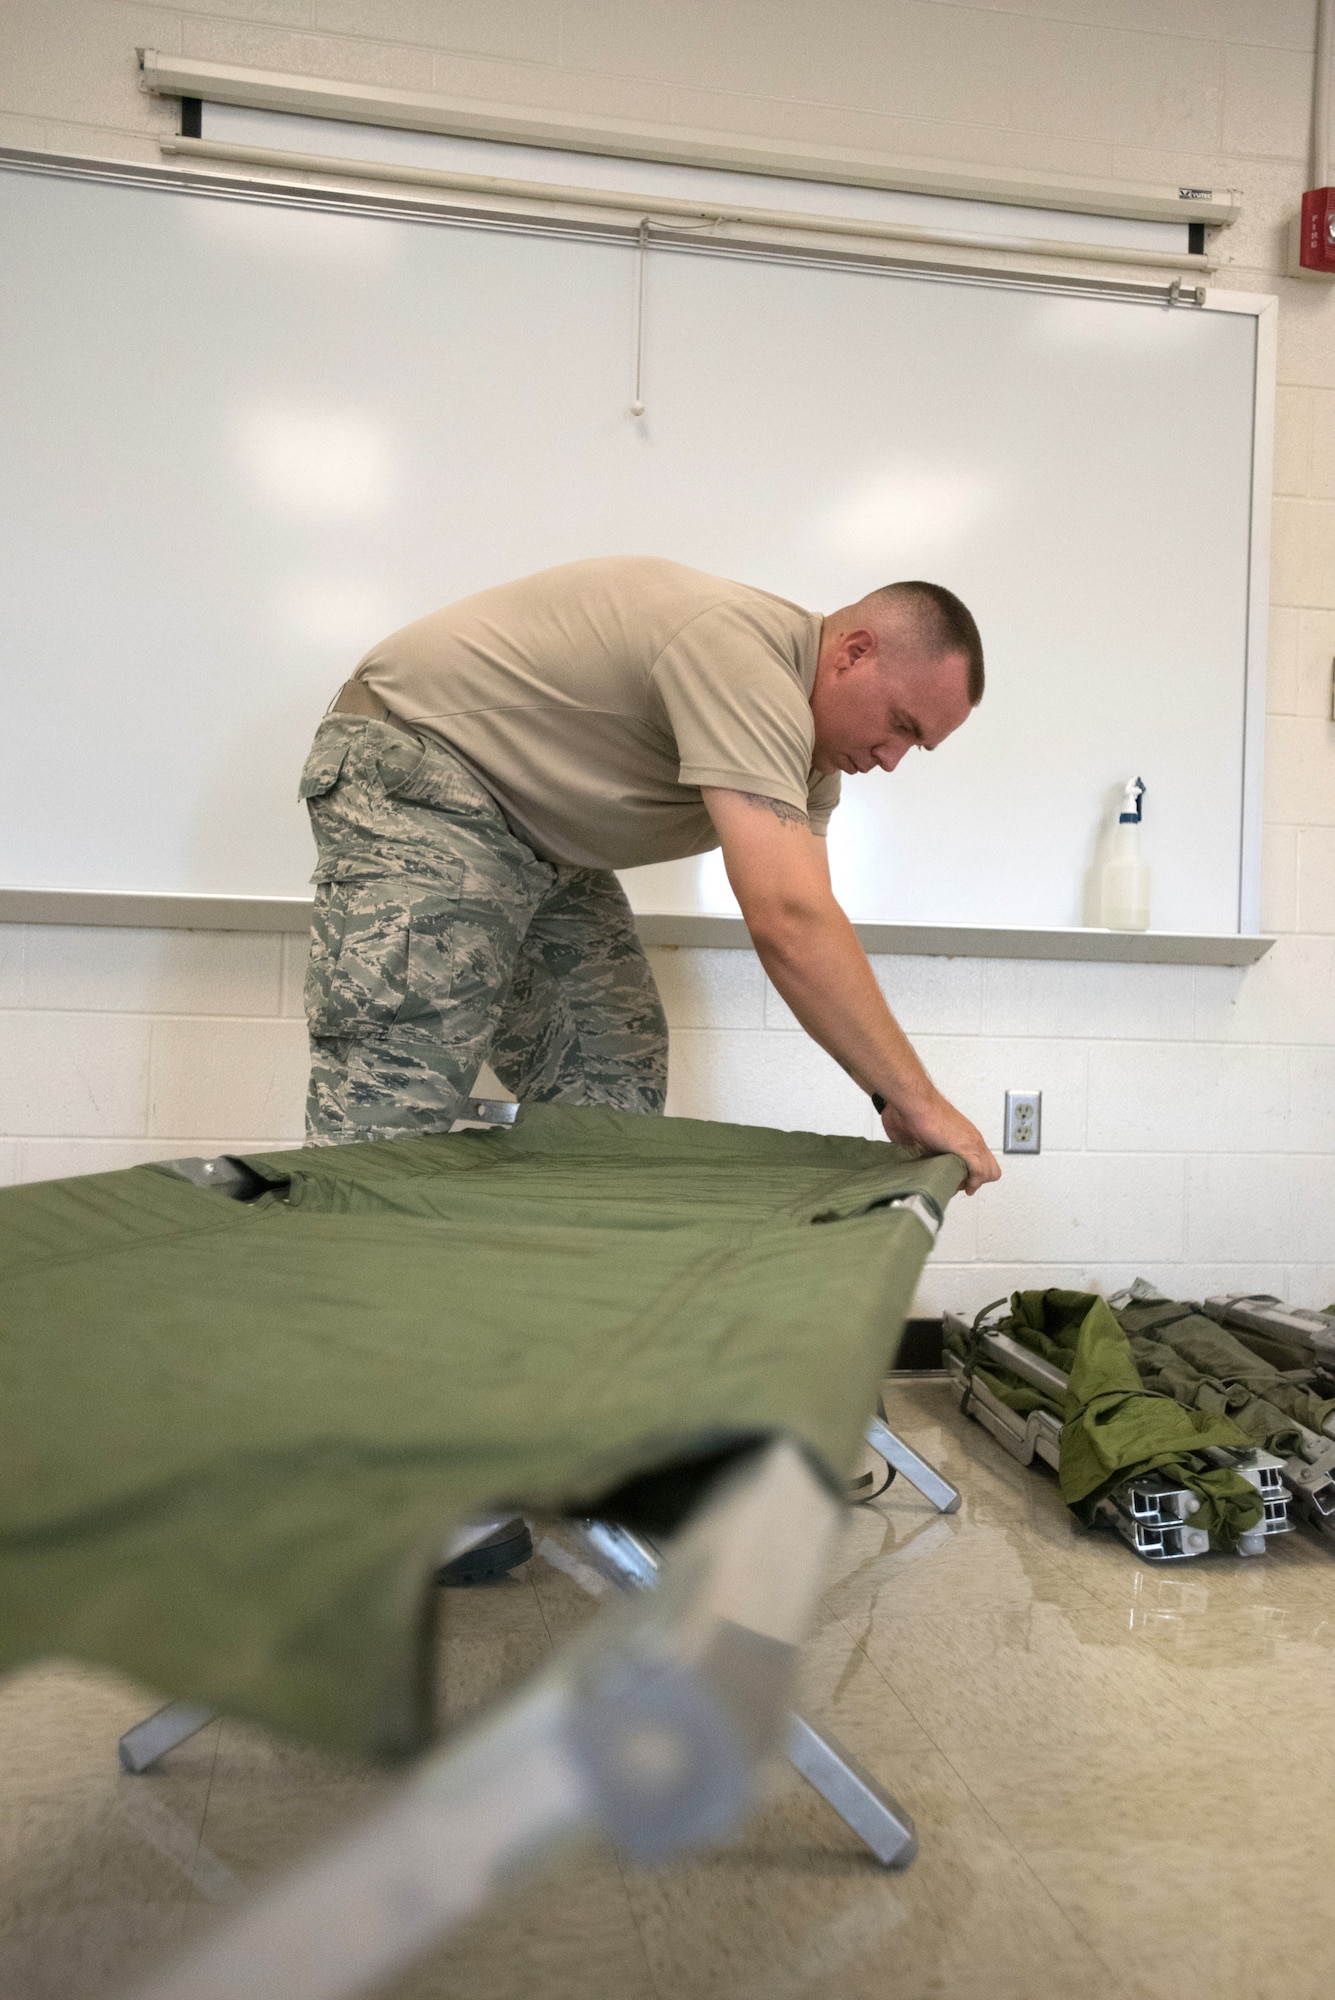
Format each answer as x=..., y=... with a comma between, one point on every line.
x=1189, y=1112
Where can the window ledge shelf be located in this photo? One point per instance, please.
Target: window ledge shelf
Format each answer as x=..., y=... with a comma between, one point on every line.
x=989, y=941
x=152, y=911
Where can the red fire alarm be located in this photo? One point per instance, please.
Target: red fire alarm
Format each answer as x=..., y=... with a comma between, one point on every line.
x=1316, y=240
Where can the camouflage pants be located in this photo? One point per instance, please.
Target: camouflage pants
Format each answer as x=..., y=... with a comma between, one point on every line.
x=441, y=941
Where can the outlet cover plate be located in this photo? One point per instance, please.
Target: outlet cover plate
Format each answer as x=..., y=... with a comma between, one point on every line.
x=1024, y=1121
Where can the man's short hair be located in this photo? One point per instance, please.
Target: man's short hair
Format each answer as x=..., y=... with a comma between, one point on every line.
x=945, y=625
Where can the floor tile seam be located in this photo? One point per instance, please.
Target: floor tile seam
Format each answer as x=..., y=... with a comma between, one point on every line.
x=1069, y=1564
x=1039, y=1880
x=195, y=1894
x=1175, y=1675
x=542, y=1613
x=655, y=1988
x=1003, y=1836
x=935, y=1622
x=940, y=1625
x=886, y=1682
x=929, y=1623
x=1032, y=1868
x=1037, y=1548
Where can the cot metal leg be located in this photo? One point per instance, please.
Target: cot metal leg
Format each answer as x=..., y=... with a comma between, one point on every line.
x=879, y=1821
x=141, y=1747
x=929, y=1482
x=632, y=1562
x=650, y=1728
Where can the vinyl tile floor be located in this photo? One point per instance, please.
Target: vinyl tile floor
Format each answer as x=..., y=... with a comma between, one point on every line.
x=1120, y=1776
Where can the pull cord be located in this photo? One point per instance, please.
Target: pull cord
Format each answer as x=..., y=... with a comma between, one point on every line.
x=637, y=406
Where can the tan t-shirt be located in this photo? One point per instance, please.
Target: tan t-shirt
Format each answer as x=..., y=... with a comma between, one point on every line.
x=593, y=701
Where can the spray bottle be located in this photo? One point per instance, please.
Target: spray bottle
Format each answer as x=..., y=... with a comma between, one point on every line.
x=1125, y=885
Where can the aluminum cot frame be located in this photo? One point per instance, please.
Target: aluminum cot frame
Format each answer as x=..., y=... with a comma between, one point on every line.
x=653, y=1728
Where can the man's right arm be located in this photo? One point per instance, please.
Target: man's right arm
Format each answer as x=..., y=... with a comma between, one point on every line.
x=781, y=878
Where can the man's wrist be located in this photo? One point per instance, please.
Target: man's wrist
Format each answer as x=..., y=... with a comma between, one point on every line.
x=905, y=1105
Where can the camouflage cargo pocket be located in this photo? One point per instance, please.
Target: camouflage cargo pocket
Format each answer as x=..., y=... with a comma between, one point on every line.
x=324, y=765
x=382, y=954
x=425, y=774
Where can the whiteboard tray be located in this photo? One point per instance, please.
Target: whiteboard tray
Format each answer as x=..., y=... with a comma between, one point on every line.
x=292, y=913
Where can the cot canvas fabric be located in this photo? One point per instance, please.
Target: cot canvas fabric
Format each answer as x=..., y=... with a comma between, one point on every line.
x=236, y=1435
x=1183, y=1353
x=594, y=700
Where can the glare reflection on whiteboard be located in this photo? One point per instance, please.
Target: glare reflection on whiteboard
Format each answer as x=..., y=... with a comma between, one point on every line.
x=346, y=613
x=1120, y=326
x=321, y=463
x=305, y=244
x=911, y=513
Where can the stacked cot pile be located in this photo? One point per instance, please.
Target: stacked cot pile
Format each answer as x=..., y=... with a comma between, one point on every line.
x=1182, y=1428
x=1270, y=1368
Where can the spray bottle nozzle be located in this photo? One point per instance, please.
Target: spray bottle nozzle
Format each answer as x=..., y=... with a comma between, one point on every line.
x=1131, y=798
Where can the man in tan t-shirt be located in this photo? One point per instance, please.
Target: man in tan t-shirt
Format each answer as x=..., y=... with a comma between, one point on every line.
x=487, y=768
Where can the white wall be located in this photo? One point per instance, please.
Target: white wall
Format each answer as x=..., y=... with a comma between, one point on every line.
x=1189, y=1112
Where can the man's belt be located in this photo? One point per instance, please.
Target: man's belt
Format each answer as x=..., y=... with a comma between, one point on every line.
x=355, y=698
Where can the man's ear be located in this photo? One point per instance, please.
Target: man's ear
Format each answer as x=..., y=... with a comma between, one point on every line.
x=854, y=647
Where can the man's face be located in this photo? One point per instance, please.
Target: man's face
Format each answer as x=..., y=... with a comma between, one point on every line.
x=869, y=710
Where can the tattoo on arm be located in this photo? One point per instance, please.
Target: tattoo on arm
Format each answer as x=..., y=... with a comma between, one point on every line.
x=790, y=815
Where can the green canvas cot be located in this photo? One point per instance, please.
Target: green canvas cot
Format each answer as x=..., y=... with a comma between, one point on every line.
x=234, y=1435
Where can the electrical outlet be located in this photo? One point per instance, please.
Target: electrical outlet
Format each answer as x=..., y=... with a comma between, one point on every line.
x=1024, y=1121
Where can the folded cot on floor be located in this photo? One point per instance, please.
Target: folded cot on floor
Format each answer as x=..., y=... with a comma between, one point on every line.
x=243, y=1433
x=1291, y=1351
x=1285, y=1336
x=1066, y=1378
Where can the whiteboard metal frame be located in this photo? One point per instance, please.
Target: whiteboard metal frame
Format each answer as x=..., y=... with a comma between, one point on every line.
x=152, y=910
x=1264, y=308
x=543, y=217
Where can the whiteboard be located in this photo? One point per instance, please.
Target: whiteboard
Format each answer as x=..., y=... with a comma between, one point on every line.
x=244, y=440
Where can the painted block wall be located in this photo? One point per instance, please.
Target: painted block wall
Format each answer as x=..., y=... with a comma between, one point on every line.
x=1189, y=1112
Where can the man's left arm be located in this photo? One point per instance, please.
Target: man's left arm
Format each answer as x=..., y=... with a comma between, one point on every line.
x=780, y=876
